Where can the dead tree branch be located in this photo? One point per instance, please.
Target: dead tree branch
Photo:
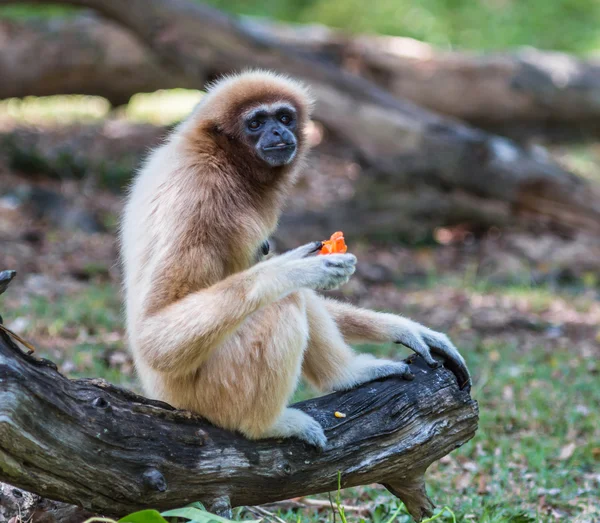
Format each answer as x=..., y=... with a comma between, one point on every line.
x=91, y=55
x=110, y=451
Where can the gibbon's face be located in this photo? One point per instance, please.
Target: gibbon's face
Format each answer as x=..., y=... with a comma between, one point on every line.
x=271, y=131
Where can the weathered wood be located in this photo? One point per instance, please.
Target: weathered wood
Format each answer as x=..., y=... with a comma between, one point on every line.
x=110, y=451
x=18, y=505
x=5, y=278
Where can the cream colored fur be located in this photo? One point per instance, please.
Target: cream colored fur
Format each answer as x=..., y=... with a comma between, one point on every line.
x=211, y=328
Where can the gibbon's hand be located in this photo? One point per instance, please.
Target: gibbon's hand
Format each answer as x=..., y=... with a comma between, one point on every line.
x=307, y=270
x=309, y=249
x=426, y=342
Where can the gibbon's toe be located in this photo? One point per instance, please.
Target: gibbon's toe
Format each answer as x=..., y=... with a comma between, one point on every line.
x=314, y=435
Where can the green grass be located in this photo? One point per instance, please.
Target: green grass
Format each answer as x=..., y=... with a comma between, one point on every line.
x=533, y=404
x=569, y=25
x=78, y=331
x=163, y=107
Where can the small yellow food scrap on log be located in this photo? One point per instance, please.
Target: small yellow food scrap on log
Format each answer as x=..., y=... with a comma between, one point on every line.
x=339, y=414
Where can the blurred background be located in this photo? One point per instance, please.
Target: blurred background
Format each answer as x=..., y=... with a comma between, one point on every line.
x=455, y=142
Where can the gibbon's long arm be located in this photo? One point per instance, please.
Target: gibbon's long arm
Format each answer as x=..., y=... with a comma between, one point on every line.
x=362, y=325
x=181, y=335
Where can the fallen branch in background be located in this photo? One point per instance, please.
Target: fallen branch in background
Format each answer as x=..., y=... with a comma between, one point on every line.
x=88, y=443
x=91, y=55
x=81, y=55
x=421, y=170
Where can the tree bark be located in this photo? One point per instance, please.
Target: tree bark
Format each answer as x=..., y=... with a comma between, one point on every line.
x=81, y=55
x=88, y=55
x=527, y=85
x=18, y=505
x=110, y=451
x=402, y=146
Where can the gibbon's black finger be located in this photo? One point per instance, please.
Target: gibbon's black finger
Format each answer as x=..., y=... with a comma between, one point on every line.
x=304, y=251
x=5, y=279
x=340, y=260
x=341, y=268
x=315, y=247
x=265, y=247
x=453, y=361
x=340, y=277
x=315, y=437
x=421, y=348
x=460, y=371
x=457, y=366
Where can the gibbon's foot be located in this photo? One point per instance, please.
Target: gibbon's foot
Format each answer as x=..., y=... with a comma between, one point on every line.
x=394, y=368
x=294, y=423
x=367, y=368
x=426, y=342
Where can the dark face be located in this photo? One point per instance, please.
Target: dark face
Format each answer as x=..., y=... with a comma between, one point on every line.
x=271, y=131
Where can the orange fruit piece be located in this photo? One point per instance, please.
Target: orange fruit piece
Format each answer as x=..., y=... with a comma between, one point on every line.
x=335, y=244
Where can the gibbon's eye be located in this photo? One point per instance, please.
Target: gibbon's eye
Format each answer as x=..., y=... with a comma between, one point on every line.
x=285, y=119
x=265, y=247
x=253, y=125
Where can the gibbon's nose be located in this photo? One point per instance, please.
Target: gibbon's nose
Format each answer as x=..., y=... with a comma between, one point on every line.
x=277, y=136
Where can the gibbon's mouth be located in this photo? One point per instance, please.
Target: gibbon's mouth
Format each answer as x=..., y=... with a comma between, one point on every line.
x=279, y=147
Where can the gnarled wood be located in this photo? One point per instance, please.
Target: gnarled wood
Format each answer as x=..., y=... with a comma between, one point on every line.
x=111, y=451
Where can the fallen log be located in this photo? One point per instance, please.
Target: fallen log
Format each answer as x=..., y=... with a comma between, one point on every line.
x=110, y=451
x=91, y=55
x=80, y=55
x=527, y=85
x=403, y=148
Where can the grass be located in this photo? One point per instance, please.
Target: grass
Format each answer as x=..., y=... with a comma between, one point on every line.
x=163, y=107
x=534, y=459
x=533, y=405
x=568, y=25
x=81, y=332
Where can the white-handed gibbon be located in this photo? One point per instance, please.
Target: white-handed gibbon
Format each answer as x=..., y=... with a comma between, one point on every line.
x=216, y=325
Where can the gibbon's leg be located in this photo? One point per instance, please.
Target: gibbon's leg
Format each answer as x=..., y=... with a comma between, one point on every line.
x=247, y=383
x=362, y=325
x=182, y=335
x=330, y=364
